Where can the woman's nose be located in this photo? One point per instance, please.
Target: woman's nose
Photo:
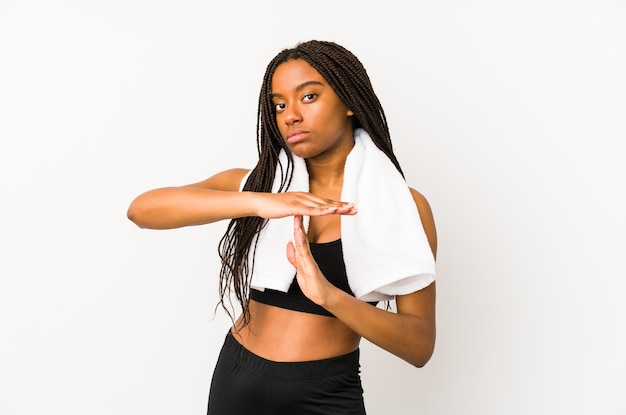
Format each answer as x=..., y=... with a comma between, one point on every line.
x=292, y=114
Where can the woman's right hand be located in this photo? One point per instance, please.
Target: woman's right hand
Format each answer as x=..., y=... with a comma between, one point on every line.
x=280, y=205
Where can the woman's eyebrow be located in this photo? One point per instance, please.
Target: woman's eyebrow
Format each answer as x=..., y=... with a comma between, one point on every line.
x=299, y=87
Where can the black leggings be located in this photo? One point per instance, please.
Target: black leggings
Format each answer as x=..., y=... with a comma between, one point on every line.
x=246, y=384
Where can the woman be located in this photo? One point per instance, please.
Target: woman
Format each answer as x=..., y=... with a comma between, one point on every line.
x=294, y=348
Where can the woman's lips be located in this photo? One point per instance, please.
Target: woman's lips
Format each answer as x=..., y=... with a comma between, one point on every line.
x=296, y=136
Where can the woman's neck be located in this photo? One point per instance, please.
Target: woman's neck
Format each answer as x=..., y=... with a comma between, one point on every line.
x=327, y=169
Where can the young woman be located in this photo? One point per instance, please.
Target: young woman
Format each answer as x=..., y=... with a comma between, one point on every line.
x=321, y=229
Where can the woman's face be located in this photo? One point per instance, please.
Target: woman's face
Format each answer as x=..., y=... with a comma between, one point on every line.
x=311, y=118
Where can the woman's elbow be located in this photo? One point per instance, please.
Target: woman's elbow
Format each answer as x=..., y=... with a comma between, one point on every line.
x=421, y=361
x=420, y=357
x=136, y=212
x=131, y=214
x=423, y=351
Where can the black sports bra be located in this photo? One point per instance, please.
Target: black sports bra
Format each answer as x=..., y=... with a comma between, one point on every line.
x=329, y=258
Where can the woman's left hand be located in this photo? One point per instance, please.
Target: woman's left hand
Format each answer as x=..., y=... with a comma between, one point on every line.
x=312, y=282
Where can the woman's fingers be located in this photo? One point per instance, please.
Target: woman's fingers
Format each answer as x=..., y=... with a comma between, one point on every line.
x=278, y=205
x=299, y=232
x=329, y=206
x=291, y=254
x=298, y=252
x=303, y=259
x=298, y=247
x=346, y=209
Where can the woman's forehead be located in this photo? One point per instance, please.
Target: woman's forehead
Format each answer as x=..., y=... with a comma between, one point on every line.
x=294, y=74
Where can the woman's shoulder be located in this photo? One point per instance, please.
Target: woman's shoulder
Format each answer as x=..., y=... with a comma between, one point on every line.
x=227, y=180
x=427, y=217
x=420, y=200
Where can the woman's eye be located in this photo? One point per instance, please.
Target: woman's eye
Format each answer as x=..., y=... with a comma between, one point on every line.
x=279, y=107
x=309, y=97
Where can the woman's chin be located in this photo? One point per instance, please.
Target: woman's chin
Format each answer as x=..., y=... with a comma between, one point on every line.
x=303, y=151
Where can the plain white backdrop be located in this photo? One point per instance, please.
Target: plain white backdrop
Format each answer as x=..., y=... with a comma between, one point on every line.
x=508, y=116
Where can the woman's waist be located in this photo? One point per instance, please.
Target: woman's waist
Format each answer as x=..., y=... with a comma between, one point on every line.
x=291, y=336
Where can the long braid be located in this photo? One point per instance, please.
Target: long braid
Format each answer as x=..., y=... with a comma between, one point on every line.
x=347, y=76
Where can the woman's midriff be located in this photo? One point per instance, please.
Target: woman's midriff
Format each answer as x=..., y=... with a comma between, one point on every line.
x=285, y=335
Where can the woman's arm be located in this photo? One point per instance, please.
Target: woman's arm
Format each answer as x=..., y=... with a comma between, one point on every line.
x=408, y=334
x=218, y=198
x=208, y=201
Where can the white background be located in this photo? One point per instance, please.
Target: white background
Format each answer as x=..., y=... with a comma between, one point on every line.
x=508, y=116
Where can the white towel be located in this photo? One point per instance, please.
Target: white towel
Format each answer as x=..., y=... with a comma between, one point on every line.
x=385, y=248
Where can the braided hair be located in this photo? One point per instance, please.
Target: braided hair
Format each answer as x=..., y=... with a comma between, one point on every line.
x=348, y=78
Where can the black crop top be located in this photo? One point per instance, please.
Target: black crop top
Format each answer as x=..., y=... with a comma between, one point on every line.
x=329, y=258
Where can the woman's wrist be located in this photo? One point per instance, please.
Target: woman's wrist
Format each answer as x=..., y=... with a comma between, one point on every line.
x=254, y=201
x=334, y=298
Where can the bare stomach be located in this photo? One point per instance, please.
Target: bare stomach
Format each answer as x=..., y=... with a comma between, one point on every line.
x=291, y=336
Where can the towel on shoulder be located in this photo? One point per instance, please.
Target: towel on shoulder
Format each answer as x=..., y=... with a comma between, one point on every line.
x=385, y=248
